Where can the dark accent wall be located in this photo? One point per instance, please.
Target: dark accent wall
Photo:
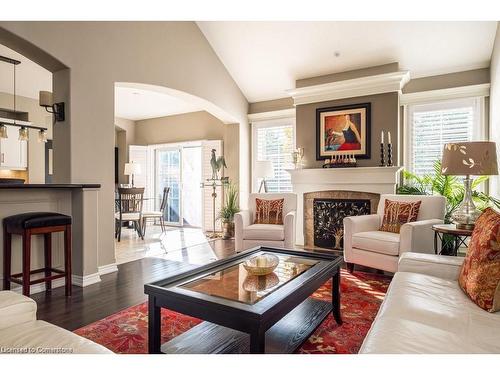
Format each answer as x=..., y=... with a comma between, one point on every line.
x=384, y=115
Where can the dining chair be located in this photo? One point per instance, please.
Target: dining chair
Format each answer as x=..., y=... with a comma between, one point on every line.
x=129, y=208
x=157, y=214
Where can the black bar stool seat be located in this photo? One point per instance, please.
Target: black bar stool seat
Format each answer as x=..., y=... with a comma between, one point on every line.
x=26, y=225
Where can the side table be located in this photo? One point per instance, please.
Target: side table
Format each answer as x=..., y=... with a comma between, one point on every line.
x=459, y=237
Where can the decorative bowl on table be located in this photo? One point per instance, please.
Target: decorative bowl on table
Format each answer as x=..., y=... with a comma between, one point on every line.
x=254, y=283
x=261, y=265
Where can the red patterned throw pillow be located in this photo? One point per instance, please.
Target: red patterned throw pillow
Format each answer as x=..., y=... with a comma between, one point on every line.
x=480, y=274
x=269, y=211
x=398, y=213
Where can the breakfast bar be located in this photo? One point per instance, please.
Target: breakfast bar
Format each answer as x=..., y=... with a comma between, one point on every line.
x=80, y=201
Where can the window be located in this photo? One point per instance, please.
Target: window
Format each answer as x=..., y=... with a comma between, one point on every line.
x=274, y=141
x=433, y=125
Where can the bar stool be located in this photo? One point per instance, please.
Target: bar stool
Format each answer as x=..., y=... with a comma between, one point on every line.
x=26, y=225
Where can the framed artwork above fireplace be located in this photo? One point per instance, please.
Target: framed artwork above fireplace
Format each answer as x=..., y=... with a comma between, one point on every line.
x=343, y=130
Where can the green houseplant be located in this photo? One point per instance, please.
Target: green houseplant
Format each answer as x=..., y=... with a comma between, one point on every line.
x=228, y=210
x=450, y=187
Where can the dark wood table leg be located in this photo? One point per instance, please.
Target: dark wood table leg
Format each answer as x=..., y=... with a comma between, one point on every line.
x=435, y=242
x=258, y=342
x=154, y=326
x=336, y=297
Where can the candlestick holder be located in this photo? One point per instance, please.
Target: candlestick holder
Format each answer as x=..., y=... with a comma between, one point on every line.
x=389, y=154
x=382, y=161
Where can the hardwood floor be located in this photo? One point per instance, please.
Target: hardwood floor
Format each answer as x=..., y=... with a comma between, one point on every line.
x=124, y=288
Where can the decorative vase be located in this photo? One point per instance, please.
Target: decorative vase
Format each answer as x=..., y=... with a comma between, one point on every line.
x=227, y=230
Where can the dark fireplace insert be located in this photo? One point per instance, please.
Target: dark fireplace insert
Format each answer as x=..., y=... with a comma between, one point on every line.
x=328, y=217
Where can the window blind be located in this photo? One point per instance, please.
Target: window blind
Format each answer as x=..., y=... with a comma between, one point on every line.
x=434, y=125
x=275, y=142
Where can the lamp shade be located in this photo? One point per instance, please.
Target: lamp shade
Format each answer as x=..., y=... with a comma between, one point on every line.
x=469, y=158
x=132, y=168
x=264, y=169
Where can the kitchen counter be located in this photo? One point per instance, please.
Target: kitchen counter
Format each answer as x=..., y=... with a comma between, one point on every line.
x=81, y=202
x=48, y=186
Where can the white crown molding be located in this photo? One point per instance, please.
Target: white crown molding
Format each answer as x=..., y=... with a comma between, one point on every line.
x=108, y=268
x=445, y=94
x=272, y=115
x=371, y=85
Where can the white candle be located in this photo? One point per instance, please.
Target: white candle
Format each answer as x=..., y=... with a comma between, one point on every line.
x=382, y=136
x=389, y=137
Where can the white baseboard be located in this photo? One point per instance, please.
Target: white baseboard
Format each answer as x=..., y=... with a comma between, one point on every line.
x=108, y=268
x=86, y=280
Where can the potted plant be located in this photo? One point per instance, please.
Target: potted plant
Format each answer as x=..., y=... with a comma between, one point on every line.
x=230, y=207
x=449, y=187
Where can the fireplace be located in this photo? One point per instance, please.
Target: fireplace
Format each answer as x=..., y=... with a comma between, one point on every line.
x=328, y=216
x=324, y=212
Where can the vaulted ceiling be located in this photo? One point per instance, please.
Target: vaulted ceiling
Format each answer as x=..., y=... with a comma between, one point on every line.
x=265, y=58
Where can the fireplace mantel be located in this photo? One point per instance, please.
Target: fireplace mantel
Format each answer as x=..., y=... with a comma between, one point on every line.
x=380, y=180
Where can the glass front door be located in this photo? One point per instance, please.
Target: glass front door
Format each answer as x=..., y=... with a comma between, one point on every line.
x=168, y=174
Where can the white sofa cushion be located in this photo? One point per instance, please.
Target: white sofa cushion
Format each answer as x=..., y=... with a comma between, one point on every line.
x=38, y=335
x=427, y=314
x=270, y=232
x=377, y=241
x=15, y=309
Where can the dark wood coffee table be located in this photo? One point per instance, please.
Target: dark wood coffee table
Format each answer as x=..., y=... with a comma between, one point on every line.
x=244, y=313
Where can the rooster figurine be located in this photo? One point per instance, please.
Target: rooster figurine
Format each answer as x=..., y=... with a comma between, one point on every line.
x=217, y=163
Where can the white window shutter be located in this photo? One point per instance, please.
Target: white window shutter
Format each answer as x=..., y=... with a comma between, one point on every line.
x=206, y=153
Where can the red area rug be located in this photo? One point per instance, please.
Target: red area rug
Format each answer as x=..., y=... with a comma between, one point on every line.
x=127, y=331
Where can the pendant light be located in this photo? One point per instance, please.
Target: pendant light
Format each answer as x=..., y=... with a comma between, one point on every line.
x=3, y=131
x=42, y=136
x=23, y=134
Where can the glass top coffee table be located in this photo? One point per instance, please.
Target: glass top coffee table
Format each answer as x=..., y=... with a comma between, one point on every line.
x=244, y=313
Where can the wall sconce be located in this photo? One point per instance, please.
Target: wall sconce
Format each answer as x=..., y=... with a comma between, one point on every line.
x=47, y=101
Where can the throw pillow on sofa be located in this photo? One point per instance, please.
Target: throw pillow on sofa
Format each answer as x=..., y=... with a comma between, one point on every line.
x=397, y=213
x=480, y=274
x=269, y=211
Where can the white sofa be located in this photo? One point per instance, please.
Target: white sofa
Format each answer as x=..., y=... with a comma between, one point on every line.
x=366, y=245
x=21, y=332
x=425, y=311
x=248, y=235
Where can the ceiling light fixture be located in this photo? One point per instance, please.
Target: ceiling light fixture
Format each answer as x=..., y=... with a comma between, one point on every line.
x=42, y=136
x=3, y=131
x=23, y=134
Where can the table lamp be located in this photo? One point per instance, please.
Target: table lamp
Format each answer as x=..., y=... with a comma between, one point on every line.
x=132, y=169
x=468, y=159
x=263, y=169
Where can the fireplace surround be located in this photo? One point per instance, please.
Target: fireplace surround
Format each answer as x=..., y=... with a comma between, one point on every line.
x=324, y=212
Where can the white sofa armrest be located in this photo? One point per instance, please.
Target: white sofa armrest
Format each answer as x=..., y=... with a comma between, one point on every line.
x=241, y=220
x=289, y=228
x=15, y=309
x=442, y=266
x=418, y=236
x=362, y=223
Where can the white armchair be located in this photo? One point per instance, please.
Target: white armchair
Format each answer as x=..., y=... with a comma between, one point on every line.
x=366, y=245
x=248, y=235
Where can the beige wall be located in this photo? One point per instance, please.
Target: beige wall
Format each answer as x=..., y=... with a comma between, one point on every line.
x=495, y=106
x=193, y=126
x=98, y=54
x=124, y=137
x=36, y=150
x=446, y=81
x=384, y=116
x=270, y=105
x=351, y=74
